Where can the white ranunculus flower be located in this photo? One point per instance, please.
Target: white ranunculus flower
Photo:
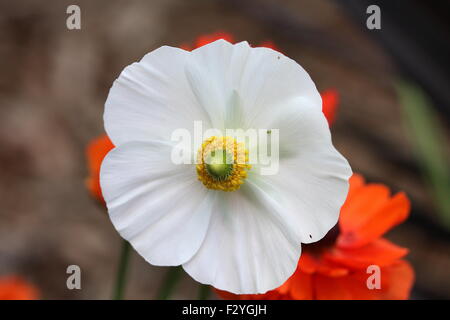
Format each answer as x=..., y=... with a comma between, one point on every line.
x=247, y=240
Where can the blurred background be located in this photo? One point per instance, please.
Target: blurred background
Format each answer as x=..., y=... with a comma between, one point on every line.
x=392, y=122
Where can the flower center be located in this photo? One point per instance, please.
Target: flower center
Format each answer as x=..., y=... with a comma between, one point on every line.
x=222, y=163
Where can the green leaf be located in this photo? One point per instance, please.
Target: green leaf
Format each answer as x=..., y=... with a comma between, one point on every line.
x=428, y=139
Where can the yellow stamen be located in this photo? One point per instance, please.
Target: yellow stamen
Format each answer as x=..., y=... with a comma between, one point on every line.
x=222, y=163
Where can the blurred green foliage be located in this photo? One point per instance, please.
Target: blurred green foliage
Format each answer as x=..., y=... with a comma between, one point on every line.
x=427, y=137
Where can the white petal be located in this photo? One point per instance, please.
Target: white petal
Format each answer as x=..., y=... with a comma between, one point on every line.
x=214, y=72
x=159, y=207
x=151, y=98
x=245, y=250
x=312, y=181
x=270, y=80
x=262, y=78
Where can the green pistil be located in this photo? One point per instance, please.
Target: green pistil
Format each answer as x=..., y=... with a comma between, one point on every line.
x=219, y=164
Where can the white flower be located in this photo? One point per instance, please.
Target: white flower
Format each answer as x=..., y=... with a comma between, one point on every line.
x=247, y=240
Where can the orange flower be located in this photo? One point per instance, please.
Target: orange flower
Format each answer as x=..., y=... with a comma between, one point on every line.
x=336, y=266
x=211, y=37
x=15, y=288
x=208, y=38
x=95, y=153
x=330, y=100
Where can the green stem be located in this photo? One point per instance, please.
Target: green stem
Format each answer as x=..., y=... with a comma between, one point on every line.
x=169, y=283
x=121, y=276
x=203, y=292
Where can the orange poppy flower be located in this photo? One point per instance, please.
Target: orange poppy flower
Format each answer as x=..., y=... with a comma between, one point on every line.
x=96, y=151
x=15, y=288
x=211, y=37
x=208, y=38
x=330, y=100
x=336, y=266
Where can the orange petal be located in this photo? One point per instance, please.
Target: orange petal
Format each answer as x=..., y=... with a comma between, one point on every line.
x=378, y=219
x=286, y=286
x=396, y=283
x=330, y=100
x=269, y=44
x=271, y=295
x=297, y=287
x=301, y=286
x=95, y=153
x=310, y=264
x=361, y=205
x=15, y=288
x=330, y=288
x=356, y=182
x=307, y=263
x=380, y=252
x=186, y=46
x=208, y=38
x=400, y=281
